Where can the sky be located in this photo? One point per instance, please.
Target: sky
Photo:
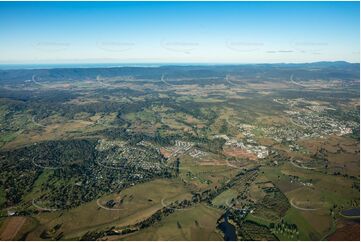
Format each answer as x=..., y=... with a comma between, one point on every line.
x=178, y=32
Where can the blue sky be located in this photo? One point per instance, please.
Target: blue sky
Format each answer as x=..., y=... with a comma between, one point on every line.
x=178, y=32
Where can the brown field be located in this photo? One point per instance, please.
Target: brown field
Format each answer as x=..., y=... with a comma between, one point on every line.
x=266, y=141
x=268, y=85
x=212, y=162
x=342, y=153
x=146, y=128
x=346, y=232
x=50, y=132
x=239, y=153
x=256, y=192
x=11, y=227
x=165, y=153
x=216, y=174
x=273, y=120
x=332, y=144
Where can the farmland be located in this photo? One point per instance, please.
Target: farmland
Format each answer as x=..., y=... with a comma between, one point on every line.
x=180, y=152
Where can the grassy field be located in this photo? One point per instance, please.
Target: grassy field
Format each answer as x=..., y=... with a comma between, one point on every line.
x=36, y=191
x=279, y=193
x=2, y=197
x=141, y=201
x=16, y=227
x=311, y=204
x=343, y=153
x=259, y=220
x=205, y=176
x=225, y=197
x=306, y=231
x=198, y=223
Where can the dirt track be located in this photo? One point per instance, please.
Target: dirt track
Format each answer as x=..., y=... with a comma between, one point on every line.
x=303, y=209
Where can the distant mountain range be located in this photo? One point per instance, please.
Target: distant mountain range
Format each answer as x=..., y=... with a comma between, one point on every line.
x=305, y=71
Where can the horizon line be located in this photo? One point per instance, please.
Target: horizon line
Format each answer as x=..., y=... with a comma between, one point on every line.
x=12, y=66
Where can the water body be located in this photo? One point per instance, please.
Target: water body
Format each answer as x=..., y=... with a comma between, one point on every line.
x=228, y=229
x=353, y=212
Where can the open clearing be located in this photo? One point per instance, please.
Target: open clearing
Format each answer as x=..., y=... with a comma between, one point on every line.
x=11, y=226
x=198, y=223
x=139, y=202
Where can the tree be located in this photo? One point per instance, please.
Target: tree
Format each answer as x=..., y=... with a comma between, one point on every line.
x=177, y=163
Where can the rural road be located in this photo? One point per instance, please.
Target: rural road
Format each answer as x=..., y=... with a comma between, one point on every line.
x=42, y=208
x=44, y=167
x=303, y=209
x=229, y=82
x=36, y=82
x=106, y=208
x=293, y=82
x=302, y=167
x=162, y=79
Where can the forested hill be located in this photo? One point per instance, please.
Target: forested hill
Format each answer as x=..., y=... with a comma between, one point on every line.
x=267, y=72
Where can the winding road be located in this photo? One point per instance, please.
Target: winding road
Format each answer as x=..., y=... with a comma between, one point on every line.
x=44, y=167
x=167, y=83
x=106, y=208
x=42, y=208
x=302, y=167
x=36, y=82
x=303, y=209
